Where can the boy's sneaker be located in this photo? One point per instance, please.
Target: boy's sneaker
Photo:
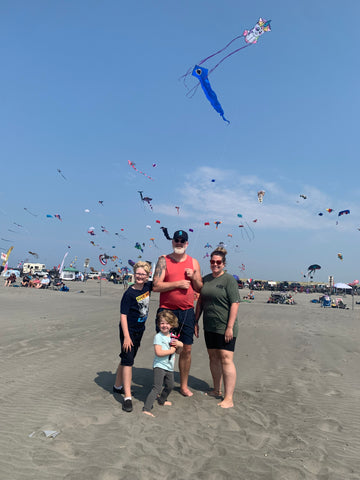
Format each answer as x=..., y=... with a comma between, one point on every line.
x=127, y=405
x=118, y=390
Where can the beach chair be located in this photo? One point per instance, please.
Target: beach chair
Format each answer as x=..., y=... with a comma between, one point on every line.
x=326, y=301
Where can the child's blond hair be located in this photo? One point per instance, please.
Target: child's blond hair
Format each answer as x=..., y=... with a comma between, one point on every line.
x=169, y=317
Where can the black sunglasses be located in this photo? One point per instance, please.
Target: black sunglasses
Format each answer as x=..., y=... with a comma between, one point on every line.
x=179, y=240
x=218, y=262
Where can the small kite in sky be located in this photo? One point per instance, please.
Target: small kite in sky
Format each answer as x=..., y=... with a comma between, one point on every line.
x=217, y=223
x=18, y=225
x=101, y=202
x=207, y=245
x=33, y=214
x=87, y=210
x=303, y=196
x=343, y=212
x=145, y=199
x=103, y=229
x=260, y=195
x=177, y=209
x=206, y=223
x=329, y=210
x=91, y=231
x=138, y=246
x=340, y=256
x=58, y=217
x=132, y=165
x=61, y=174
x=312, y=269
x=93, y=243
x=34, y=254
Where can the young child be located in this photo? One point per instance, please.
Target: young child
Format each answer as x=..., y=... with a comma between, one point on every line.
x=134, y=310
x=165, y=347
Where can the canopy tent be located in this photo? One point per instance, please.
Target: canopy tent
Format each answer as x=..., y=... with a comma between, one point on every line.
x=345, y=286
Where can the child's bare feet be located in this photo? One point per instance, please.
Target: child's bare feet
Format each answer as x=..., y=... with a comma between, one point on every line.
x=168, y=403
x=148, y=413
x=226, y=404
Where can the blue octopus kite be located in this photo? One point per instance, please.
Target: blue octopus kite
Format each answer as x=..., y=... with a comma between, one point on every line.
x=250, y=36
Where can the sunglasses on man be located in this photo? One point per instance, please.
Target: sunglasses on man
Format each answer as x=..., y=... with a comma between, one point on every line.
x=179, y=240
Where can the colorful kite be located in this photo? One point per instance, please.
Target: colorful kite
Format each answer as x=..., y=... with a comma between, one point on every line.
x=260, y=195
x=340, y=256
x=343, y=212
x=177, y=209
x=217, y=223
x=250, y=36
x=132, y=165
x=138, y=246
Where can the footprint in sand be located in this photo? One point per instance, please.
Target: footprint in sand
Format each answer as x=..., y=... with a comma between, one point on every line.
x=330, y=425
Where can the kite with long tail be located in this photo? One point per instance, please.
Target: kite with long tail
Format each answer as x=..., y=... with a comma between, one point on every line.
x=250, y=36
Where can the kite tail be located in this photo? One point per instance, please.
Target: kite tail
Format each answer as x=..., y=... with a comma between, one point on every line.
x=225, y=120
x=229, y=55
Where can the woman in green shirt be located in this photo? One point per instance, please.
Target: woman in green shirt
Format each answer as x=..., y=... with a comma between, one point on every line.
x=219, y=303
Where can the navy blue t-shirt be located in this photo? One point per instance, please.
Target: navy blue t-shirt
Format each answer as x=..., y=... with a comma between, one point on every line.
x=135, y=305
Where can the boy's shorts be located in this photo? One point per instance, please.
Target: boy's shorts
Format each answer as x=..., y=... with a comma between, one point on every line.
x=127, y=358
x=186, y=327
x=216, y=341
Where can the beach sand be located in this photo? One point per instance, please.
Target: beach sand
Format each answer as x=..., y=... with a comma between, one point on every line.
x=297, y=398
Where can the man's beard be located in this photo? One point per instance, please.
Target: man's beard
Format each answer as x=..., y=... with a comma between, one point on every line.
x=179, y=250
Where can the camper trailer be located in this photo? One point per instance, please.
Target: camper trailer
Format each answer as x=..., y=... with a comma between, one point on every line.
x=35, y=268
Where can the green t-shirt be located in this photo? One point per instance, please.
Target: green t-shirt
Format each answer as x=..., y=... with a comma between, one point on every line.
x=217, y=295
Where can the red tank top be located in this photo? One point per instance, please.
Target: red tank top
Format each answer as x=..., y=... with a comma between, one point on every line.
x=179, y=298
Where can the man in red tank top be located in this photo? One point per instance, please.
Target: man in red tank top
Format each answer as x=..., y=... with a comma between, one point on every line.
x=177, y=276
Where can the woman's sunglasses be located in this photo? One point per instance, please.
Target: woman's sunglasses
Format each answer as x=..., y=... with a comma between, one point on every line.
x=217, y=262
x=179, y=240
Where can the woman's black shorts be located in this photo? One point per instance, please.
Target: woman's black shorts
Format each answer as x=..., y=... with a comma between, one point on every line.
x=217, y=341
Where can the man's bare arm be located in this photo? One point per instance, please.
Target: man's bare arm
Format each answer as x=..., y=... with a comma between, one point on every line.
x=158, y=280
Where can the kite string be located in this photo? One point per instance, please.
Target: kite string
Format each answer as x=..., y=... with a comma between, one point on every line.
x=187, y=73
x=227, y=56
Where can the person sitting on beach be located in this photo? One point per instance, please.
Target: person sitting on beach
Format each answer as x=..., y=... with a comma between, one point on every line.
x=44, y=283
x=34, y=282
x=26, y=280
x=165, y=347
x=10, y=280
x=134, y=310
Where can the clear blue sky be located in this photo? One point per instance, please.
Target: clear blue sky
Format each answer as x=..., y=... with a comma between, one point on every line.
x=88, y=85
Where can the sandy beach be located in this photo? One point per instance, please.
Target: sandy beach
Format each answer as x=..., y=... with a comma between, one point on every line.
x=297, y=399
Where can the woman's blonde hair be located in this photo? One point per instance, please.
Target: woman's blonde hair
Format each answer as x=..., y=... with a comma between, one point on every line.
x=145, y=265
x=221, y=252
x=169, y=317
